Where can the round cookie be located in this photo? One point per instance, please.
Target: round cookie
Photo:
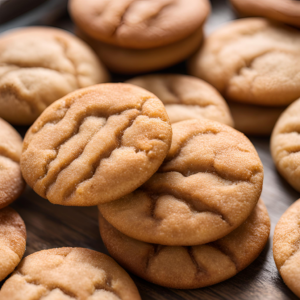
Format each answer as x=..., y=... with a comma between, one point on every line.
x=133, y=61
x=191, y=267
x=139, y=24
x=285, y=144
x=11, y=182
x=287, y=11
x=286, y=247
x=12, y=241
x=39, y=65
x=96, y=144
x=207, y=186
x=252, y=61
x=69, y=273
x=254, y=119
x=186, y=97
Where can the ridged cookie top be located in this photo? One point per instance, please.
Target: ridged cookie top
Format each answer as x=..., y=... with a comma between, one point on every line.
x=39, y=65
x=139, y=24
x=11, y=181
x=207, y=186
x=285, y=144
x=96, y=145
x=286, y=244
x=12, y=240
x=69, y=273
x=253, y=61
x=191, y=267
x=186, y=97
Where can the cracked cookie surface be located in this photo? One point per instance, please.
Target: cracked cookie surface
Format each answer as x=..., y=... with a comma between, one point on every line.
x=286, y=242
x=252, y=61
x=12, y=241
x=69, y=273
x=194, y=266
x=287, y=11
x=39, y=65
x=139, y=24
x=186, y=97
x=285, y=144
x=207, y=186
x=11, y=182
x=96, y=145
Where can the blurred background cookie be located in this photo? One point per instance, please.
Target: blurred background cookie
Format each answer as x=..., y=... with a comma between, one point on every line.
x=254, y=119
x=191, y=267
x=11, y=182
x=139, y=24
x=186, y=97
x=140, y=36
x=59, y=273
x=286, y=11
x=39, y=65
x=12, y=241
x=112, y=138
x=286, y=247
x=285, y=144
x=196, y=196
x=252, y=61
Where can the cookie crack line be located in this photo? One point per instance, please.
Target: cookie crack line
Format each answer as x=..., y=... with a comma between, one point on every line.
x=155, y=250
x=107, y=155
x=189, y=202
x=185, y=142
x=199, y=268
x=7, y=154
x=223, y=249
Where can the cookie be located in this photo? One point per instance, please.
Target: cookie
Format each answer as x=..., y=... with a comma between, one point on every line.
x=253, y=61
x=286, y=11
x=11, y=182
x=207, y=186
x=286, y=247
x=12, y=241
x=39, y=65
x=69, y=273
x=254, y=119
x=186, y=97
x=285, y=144
x=96, y=145
x=132, y=61
x=139, y=24
x=191, y=267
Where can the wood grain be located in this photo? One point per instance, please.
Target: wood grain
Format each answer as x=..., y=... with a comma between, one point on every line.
x=50, y=226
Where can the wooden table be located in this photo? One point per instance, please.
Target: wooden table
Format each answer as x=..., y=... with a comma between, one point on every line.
x=50, y=226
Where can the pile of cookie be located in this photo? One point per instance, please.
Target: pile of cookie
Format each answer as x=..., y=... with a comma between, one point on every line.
x=177, y=188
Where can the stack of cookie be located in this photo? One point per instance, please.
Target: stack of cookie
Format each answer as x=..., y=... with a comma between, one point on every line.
x=189, y=196
x=140, y=36
x=255, y=64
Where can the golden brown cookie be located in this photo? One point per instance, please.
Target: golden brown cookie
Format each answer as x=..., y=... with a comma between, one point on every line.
x=12, y=241
x=285, y=144
x=252, y=61
x=69, y=273
x=286, y=247
x=96, y=145
x=287, y=11
x=186, y=97
x=132, y=61
x=11, y=182
x=139, y=24
x=39, y=65
x=191, y=267
x=208, y=185
x=254, y=119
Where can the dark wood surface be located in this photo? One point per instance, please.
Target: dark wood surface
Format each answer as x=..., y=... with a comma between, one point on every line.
x=50, y=226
